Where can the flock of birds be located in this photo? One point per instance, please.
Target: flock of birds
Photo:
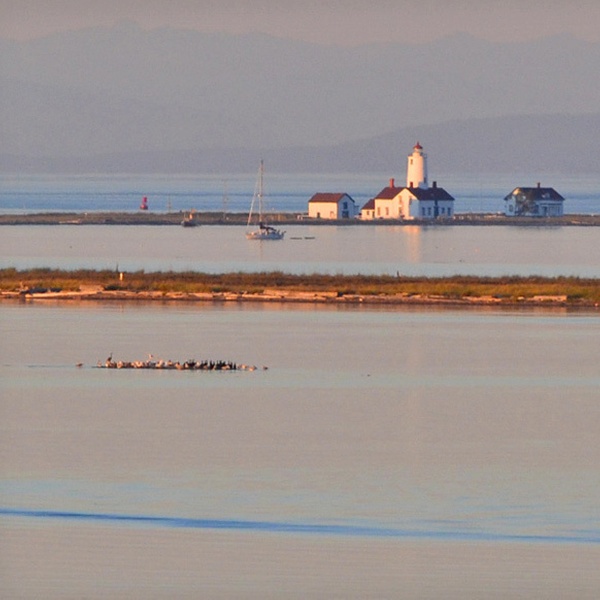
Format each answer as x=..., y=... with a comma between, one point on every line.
x=188, y=365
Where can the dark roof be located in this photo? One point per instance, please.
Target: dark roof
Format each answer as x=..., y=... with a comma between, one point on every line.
x=432, y=193
x=329, y=197
x=387, y=193
x=535, y=193
x=370, y=205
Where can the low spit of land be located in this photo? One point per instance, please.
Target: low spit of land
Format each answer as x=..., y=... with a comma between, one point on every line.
x=218, y=218
x=81, y=285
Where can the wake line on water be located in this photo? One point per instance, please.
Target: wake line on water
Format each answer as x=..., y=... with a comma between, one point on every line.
x=300, y=528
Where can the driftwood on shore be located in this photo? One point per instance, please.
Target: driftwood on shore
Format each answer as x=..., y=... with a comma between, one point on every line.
x=187, y=365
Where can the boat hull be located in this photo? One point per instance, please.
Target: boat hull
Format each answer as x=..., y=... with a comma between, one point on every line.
x=261, y=234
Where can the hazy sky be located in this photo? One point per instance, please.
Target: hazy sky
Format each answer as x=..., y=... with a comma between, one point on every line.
x=323, y=21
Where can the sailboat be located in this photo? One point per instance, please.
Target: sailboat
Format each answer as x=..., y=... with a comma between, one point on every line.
x=264, y=231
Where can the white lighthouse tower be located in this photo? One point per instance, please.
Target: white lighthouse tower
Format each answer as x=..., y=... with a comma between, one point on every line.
x=416, y=172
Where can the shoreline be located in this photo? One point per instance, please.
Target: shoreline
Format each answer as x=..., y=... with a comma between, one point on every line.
x=281, y=218
x=296, y=298
x=46, y=284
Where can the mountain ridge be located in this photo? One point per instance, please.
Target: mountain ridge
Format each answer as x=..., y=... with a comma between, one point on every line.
x=124, y=91
x=499, y=144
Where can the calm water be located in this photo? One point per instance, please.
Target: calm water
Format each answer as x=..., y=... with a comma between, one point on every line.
x=428, y=453
x=430, y=251
x=233, y=192
x=384, y=453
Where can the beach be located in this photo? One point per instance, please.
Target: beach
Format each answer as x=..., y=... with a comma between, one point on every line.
x=286, y=297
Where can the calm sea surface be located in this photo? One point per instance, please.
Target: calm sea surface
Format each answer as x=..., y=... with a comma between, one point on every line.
x=384, y=453
x=407, y=250
x=283, y=192
x=436, y=453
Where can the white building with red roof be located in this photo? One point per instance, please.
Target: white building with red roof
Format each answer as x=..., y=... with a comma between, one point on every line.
x=416, y=200
x=332, y=205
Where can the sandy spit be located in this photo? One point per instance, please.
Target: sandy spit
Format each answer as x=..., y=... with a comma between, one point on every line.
x=287, y=296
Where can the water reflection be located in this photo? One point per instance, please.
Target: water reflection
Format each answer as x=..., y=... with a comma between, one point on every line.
x=410, y=250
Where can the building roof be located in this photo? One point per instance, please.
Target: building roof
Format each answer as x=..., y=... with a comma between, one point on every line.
x=329, y=197
x=370, y=205
x=432, y=193
x=535, y=193
x=388, y=193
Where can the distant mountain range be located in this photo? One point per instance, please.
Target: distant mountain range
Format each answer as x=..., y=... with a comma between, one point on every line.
x=126, y=100
x=546, y=144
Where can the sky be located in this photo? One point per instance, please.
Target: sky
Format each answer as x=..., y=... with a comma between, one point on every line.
x=332, y=22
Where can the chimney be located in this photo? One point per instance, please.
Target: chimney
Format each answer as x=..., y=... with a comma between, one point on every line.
x=411, y=184
x=435, y=184
x=392, y=182
x=539, y=184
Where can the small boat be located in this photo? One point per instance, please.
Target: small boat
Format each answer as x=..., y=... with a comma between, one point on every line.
x=264, y=231
x=189, y=220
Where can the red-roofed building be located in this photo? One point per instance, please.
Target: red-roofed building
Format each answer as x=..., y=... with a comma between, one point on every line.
x=415, y=201
x=368, y=210
x=409, y=203
x=325, y=205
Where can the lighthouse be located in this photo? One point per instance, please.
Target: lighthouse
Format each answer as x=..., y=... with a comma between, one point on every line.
x=416, y=172
x=415, y=201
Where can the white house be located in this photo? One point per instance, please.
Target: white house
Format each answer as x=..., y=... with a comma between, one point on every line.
x=534, y=202
x=409, y=203
x=414, y=201
x=324, y=205
x=368, y=210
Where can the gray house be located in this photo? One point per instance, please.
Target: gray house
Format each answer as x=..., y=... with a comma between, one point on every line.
x=534, y=202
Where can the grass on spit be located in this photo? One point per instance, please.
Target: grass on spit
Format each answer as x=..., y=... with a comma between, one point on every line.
x=577, y=290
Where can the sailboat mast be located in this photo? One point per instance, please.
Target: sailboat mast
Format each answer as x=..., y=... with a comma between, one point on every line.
x=260, y=190
x=256, y=196
x=264, y=232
